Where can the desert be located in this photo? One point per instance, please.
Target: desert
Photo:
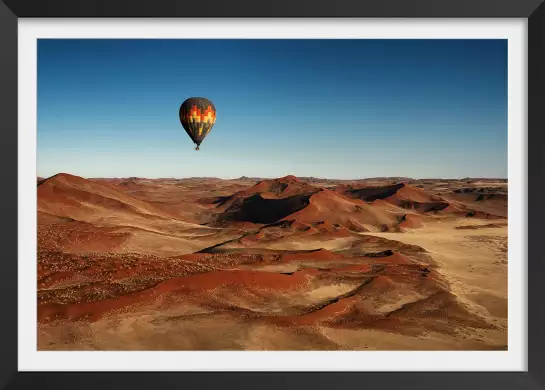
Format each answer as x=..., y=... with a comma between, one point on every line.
x=288, y=263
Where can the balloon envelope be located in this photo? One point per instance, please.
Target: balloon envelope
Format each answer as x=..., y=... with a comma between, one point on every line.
x=197, y=116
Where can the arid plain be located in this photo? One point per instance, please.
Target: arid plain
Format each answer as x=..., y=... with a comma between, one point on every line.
x=271, y=264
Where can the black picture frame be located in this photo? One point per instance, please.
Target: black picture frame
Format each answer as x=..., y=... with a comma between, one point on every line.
x=532, y=10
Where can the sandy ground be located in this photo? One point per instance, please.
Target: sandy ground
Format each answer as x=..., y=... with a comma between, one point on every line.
x=473, y=260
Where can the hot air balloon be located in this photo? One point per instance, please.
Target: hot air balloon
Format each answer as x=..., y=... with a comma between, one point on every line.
x=197, y=116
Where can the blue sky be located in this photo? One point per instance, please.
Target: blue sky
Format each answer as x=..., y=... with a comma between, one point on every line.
x=324, y=108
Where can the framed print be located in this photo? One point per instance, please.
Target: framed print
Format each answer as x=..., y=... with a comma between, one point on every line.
x=294, y=193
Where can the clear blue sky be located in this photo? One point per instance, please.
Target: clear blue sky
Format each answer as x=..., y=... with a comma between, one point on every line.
x=325, y=108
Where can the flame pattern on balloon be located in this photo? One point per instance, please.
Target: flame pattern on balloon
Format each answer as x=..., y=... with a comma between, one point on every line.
x=197, y=116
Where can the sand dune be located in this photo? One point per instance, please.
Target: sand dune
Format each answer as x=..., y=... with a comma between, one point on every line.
x=98, y=212
x=276, y=264
x=473, y=260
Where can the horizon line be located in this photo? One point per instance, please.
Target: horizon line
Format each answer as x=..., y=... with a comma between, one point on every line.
x=278, y=177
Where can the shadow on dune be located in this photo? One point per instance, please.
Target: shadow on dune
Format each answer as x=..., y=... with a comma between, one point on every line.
x=370, y=194
x=257, y=209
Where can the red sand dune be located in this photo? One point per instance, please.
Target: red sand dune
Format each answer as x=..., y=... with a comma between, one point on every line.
x=74, y=197
x=296, y=229
x=279, y=188
x=394, y=258
x=411, y=221
x=400, y=195
x=250, y=280
x=329, y=206
x=486, y=204
x=245, y=279
x=315, y=255
x=357, y=208
x=257, y=209
x=68, y=195
x=353, y=268
x=265, y=194
x=75, y=237
x=180, y=198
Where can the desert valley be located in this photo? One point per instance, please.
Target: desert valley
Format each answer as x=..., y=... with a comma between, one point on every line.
x=290, y=263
